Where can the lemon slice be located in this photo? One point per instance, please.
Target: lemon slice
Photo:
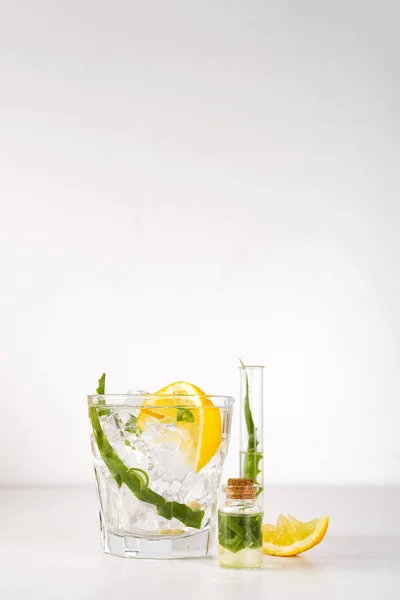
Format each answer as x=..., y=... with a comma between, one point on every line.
x=201, y=429
x=290, y=536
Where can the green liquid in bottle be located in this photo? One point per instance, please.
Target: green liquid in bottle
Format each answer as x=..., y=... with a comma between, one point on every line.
x=240, y=537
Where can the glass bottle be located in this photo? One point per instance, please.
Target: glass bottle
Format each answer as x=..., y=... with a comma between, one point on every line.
x=240, y=526
x=251, y=426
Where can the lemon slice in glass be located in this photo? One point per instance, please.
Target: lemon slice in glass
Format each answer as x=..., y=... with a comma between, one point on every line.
x=195, y=417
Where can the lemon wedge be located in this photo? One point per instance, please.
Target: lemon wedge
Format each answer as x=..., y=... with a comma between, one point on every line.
x=290, y=536
x=200, y=423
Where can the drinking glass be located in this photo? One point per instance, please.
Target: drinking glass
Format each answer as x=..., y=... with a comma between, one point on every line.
x=157, y=462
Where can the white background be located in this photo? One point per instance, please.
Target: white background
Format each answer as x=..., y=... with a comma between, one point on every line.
x=183, y=183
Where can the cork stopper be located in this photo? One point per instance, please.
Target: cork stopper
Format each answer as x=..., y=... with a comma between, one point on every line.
x=240, y=489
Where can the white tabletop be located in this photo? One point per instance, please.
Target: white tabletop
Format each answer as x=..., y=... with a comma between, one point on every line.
x=49, y=550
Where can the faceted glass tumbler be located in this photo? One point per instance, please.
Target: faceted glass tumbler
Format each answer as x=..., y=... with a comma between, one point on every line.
x=157, y=462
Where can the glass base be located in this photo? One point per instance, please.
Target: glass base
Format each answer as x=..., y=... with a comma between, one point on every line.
x=130, y=546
